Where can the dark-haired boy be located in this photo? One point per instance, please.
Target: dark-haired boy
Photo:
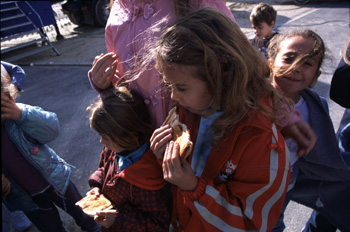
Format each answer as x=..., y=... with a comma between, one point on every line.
x=263, y=19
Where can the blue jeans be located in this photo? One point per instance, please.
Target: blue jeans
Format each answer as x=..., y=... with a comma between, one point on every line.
x=16, y=219
x=48, y=218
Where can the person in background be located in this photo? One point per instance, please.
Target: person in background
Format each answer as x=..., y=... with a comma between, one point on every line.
x=37, y=179
x=321, y=178
x=237, y=175
x=263, y=20
x=128, y=173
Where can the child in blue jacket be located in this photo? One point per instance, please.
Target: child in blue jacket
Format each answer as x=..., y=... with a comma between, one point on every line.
x=37, y=179
x=321, y=178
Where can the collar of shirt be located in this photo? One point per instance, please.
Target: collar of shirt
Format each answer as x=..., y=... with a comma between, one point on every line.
x=133, y=157
x=203, y=143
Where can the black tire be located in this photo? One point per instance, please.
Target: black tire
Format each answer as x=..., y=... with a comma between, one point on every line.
x=101, y=12
x=73, y=18
x=300, y=2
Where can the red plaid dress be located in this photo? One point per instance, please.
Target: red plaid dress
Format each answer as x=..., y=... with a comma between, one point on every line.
x=140, y=194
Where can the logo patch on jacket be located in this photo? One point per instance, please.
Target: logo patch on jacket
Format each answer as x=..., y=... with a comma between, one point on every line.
x=228, y=172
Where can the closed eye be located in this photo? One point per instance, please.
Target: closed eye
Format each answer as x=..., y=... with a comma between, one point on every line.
x=180, y=89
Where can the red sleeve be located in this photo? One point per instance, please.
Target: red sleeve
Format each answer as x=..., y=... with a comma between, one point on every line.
x=96, y=179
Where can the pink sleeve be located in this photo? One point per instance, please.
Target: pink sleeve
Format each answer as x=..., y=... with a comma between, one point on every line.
x=220, y=5
x=294, y=117
x=109, y=40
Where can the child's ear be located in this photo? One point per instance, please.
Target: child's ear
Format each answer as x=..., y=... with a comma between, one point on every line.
x=272, y=24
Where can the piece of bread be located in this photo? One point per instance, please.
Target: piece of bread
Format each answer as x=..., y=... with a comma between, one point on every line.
x=180, y=133
x=92, y=204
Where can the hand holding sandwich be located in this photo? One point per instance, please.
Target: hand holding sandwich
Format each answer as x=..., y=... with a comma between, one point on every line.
x=176, y=171
x=93, y=191
x=173, y=144
x=105, y=218
x=160, y=139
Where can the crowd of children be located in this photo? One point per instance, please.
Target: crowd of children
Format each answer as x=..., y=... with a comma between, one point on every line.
x=245, y=166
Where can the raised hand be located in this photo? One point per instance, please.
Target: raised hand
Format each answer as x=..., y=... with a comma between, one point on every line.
x=9, y=108
x=302, y=134
x=103, y=69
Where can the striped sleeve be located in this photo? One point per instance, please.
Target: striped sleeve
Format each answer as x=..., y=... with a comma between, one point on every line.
x=253, y=198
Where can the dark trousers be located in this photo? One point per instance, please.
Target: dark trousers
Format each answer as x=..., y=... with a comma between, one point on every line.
x=47, y=218
x=317, y=222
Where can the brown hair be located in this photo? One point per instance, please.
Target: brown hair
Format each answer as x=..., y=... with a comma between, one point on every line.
x=222, y=57
x=263, y=12
x=123, y=116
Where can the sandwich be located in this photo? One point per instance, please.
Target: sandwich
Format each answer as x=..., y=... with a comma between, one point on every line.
x=180, y=134
x=92, y=204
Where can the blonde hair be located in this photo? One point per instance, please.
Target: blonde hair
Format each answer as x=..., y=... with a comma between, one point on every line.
x=7, y=87
x=234, y=72
x=123, y=116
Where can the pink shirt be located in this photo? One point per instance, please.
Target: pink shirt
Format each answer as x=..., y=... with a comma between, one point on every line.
x=124, y=37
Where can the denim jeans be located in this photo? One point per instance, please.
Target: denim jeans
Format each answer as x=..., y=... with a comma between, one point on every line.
x=48, y=218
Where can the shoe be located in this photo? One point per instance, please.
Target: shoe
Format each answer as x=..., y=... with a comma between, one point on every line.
x=20, y=221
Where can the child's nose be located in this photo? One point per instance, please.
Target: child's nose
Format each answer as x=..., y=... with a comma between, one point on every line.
x=174, y=95
x=296, y=69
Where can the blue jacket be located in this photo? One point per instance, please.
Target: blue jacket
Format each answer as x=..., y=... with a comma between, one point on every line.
x=323, y=182
x=325, y=161
x=36, y=128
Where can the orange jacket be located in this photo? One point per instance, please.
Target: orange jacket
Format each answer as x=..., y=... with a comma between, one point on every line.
x=243, y=184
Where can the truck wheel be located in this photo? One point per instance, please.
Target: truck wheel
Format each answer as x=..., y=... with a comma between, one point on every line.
x=101, y=12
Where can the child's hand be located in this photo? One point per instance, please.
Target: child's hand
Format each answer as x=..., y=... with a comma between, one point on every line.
x=105, y=218
x=159, y=139
x=94, y=191
x=9, y=108
x=103, y=69
x=303, y=135
x=177, y=172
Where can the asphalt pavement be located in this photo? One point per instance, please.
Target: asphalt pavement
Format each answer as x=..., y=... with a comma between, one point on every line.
x=60, y=83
